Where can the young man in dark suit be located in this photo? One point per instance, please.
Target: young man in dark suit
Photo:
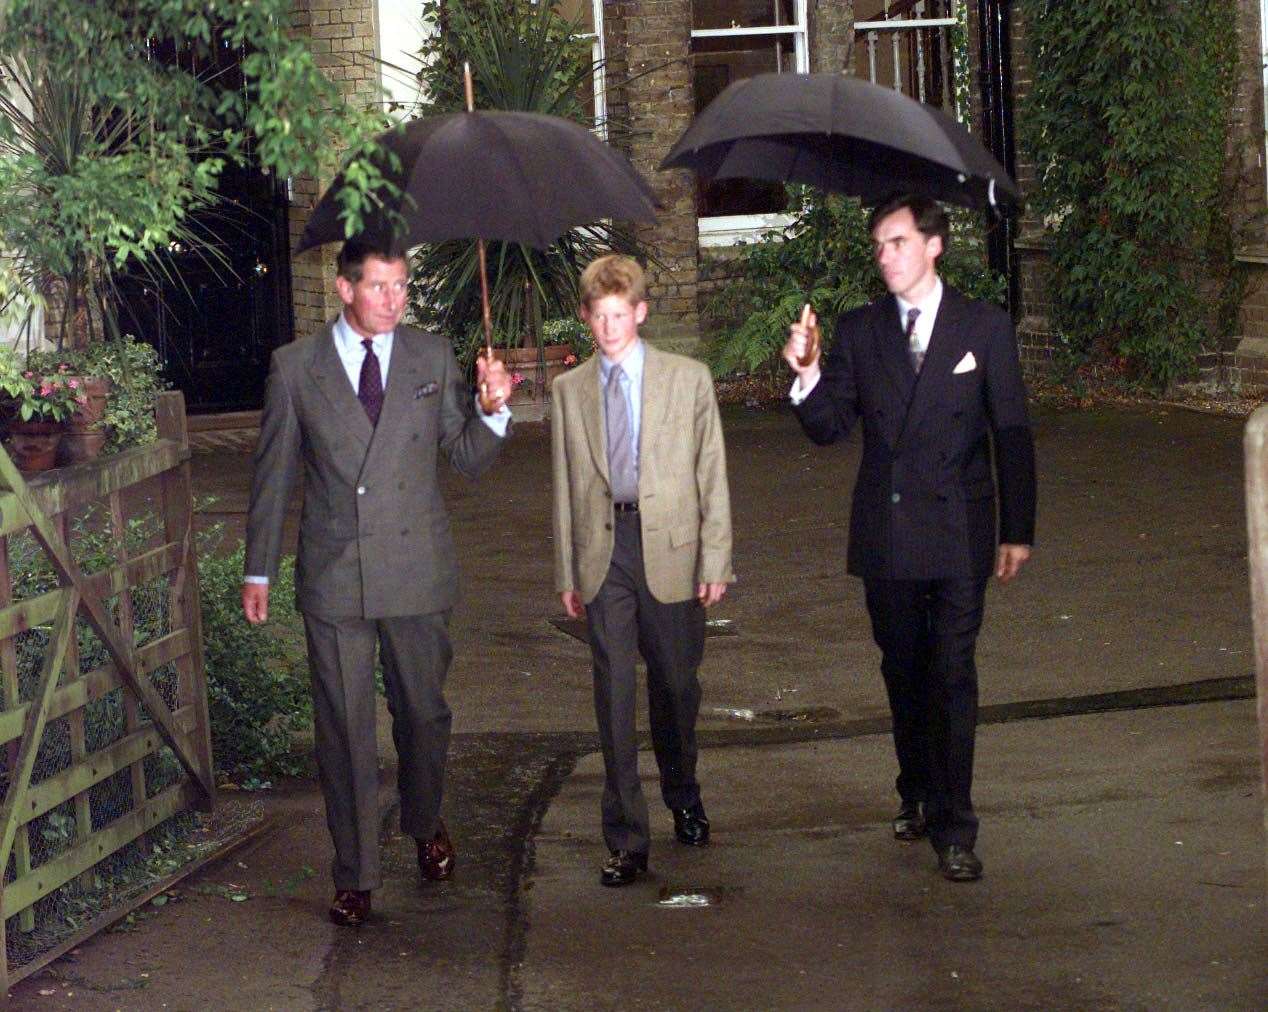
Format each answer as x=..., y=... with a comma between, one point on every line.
x=934, y=379
x=363, y=409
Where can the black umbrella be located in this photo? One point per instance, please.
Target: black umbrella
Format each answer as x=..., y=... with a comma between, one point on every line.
x=514, y=176
x=842, y=134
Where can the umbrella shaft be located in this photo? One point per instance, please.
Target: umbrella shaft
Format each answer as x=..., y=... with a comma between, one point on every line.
x=484, y=302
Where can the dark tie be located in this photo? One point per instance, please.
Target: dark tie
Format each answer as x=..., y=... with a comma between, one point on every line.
x=913, y=346
x=621, y=472
x=370, y=386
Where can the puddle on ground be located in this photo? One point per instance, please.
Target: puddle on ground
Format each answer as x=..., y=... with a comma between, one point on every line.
x=799, y=715
x=695, y=898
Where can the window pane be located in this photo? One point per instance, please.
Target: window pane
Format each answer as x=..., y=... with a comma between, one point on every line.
x=741, y=13
x=581, y=11
x=717, y=62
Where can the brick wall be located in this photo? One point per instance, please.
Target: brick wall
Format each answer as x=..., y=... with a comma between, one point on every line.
x=342, y=35
x=831, y=28
x=647, y=42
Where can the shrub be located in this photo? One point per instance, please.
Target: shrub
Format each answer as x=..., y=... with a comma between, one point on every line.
x=1128, y=121
x=257, y=677
x=825, y=258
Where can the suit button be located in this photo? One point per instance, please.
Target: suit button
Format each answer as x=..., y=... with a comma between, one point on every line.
x=607, y=527
x=401, y=486
x=360, y=490
x=895, y=497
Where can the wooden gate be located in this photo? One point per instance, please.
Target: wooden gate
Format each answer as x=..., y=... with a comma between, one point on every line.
x=55, y=761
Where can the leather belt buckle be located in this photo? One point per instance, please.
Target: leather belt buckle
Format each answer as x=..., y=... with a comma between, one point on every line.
x=625, y=507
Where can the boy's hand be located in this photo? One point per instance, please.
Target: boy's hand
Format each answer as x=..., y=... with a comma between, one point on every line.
x=709, y=594
x=572, y=604
x=255, y=602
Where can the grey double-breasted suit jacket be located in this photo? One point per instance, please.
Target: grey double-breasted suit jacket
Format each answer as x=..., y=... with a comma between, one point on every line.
x=374, y=537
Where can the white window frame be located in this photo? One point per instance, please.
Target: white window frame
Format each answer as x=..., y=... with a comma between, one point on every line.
x=731, y=229
x=598, y=56
x=1263, y=59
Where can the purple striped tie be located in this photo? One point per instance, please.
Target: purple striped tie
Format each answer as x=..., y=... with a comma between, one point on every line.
x=370, y=385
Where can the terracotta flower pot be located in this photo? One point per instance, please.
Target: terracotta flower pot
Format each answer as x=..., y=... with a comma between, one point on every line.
x=524, y=362
x=85, y=435
x=33, y=444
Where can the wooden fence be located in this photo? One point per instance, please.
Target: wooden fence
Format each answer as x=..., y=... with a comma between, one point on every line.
x=93, y=792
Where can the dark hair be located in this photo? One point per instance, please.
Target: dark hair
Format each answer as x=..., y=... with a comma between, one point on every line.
x=355, y=252
x=931, y=219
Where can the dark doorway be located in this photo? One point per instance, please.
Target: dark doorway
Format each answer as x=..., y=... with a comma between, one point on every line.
x=225, y=309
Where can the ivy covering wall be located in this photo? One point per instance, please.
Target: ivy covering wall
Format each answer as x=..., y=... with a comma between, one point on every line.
x=1128, y=122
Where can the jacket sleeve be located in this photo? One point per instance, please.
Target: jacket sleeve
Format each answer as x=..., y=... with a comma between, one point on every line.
x=1010, y=430
x=470, y=445
x=275, y=466
x=829, y=413
x=714, y=565
x=561, y=513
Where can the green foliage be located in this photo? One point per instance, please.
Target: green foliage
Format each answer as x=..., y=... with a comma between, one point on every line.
x=825, y=258
x=132, y=367
x=27, y=395
x=257, y=677
x=1128, y=119
x=108, y=151
x=524, y=58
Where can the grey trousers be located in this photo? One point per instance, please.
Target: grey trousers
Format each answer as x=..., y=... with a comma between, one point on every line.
x=624, y=622
x=416, y=653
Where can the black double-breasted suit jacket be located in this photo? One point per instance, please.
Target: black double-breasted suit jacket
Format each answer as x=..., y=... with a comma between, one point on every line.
x=924, y=505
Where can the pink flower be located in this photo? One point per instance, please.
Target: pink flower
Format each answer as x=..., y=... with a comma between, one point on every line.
x=81, y=399
x=73, y=384
x=570, y=359
x=46, y=388
x=516, y=379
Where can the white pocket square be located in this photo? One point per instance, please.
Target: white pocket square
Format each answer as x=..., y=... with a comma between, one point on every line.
x=967, y=364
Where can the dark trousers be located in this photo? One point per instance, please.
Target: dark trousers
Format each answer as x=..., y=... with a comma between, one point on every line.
x=415, y=652
x=625, y=621
x=927, y=632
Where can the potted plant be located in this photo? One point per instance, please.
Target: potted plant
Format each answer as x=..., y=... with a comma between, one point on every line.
x=120, y=381
x=35, y=407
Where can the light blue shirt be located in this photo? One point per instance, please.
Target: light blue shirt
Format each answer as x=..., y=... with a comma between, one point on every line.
x=631, y=386
x=352, y=352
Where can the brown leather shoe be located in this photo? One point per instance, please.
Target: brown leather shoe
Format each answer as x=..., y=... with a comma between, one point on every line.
x=436, y=857
x=351, y=908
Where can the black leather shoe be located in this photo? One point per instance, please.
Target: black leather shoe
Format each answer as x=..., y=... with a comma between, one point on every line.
x=959, y=864
x=351, y=908
x=691, y=825
x=436, y=857
x=622, y=868
x=909, y=823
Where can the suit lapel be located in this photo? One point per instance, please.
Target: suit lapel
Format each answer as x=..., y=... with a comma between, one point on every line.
x=655, y=403
x=891, y=348
x=591, y=411
x=331, y=380
x=935, y=372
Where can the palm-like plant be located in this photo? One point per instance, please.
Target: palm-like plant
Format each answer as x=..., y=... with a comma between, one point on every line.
x=110, y=150
x=524, y=57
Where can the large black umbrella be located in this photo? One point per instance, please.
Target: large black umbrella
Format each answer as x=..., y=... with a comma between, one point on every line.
x=514, y=176
x=842, y=134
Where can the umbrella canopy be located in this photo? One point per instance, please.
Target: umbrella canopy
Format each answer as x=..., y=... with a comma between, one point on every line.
x=842, y=134
x=513, y=176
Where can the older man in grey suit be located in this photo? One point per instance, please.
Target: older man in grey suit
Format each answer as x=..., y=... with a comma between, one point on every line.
x=361, y=410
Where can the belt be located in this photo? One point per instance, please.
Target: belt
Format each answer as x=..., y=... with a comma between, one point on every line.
x=625, y=507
